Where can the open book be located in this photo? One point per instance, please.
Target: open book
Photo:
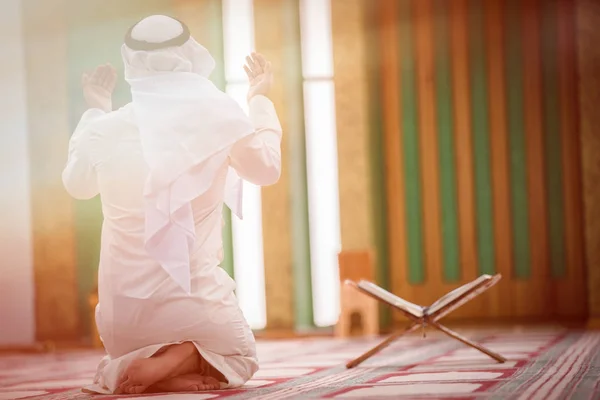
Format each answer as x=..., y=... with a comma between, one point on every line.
x=427, y=316
x=417, y=310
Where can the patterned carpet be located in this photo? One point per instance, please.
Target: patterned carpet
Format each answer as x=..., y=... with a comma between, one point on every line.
x=543, y=364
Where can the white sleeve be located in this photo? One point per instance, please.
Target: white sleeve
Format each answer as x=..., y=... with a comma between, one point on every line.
x=257, y=157
x=79, y=175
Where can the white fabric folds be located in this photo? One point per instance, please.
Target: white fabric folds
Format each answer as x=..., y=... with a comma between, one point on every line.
x=187, y=128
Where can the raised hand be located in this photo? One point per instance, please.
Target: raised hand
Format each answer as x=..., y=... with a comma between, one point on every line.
x=98, y=87
x=260, y=75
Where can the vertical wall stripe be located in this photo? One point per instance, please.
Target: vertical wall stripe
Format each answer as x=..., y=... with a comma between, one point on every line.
x=481, y=139
x=588, y=64
x=55, y=268
x=495, y=30
x=573, y=291
x=534, y=298
x=292, y=77
x=212, y=18
x=205, y=20
x=393, y=150
x=445, y=124
x=17, y=296
x=552, y=143
x=352, y=118
x=516, y=129
x=354, y=141
x=423, y=12
x=275, y=199
x=377, y=78
x=410, y=129
x=227, y=264
x=463, y=137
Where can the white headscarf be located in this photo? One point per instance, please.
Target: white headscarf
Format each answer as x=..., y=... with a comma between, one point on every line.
x=157, y=29
x=187, y=128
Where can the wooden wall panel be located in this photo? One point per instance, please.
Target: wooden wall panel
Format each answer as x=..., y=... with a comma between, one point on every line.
x=458, y=15
x=352, y=106
x=55, y=269
x=588, y=37
x=451, y=270
x=428, y=146
x=502, y=301
x=573, y=288
x=393, y=153
x=533, y=296
x=505, y=84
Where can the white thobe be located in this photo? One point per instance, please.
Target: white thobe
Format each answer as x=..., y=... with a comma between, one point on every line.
x=140, y=308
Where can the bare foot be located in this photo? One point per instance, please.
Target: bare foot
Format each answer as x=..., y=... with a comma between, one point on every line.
x=140, y=374
x=143, y=373
x=186, y=383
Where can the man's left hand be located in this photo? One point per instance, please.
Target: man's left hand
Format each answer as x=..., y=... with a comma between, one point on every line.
x=98, y=87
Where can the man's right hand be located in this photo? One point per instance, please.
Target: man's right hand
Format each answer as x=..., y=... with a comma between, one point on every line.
x=260, y=75
x=98, y=87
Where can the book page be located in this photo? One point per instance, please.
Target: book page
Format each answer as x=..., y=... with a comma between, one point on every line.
x=448, y=298
x=392, y=299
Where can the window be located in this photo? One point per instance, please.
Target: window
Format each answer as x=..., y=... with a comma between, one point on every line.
x=321, y=153
x=238, y=32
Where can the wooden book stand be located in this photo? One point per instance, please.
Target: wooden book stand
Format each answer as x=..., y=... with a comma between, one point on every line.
x=357, y=265
x=427, y=315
